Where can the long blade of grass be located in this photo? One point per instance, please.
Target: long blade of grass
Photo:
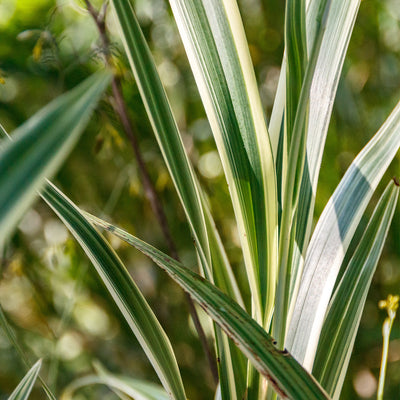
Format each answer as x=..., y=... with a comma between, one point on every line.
x=12, y=338
x=296, y=59
x=163, y=123
x=339, y=28
x=134, y=388
x=333, y=234
x=24, y=388
x=285, y=374
x=214, y=40
x=292, y=183
x=212, y=255
x=124, y=291
x=40, y=146
x=232, y=365
x=170, y=142
x=345, y=309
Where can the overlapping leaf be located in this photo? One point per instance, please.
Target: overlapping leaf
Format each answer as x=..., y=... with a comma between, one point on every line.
x=124, y=291
x=333, y=234
x=214, y=262
x=292, y=181
x=284, y=373
x=339, y=28
x=122, y=385
x=215, y=43
x=345, y=309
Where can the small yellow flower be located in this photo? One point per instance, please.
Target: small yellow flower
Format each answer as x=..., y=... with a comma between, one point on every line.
x=391, y=304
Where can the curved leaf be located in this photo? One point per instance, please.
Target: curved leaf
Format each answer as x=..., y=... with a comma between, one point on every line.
x=40, y=145
x=216, y=46
x=345, y=309
x=134, y=388
x=284, y=373
x=123, y=290
x=333, y=234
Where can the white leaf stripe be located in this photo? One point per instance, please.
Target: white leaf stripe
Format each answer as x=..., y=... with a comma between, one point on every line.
x=285, y=374
x=224, y=82
x=333, y=234
x=123, y=290
x=347, y=303
x=24, y=388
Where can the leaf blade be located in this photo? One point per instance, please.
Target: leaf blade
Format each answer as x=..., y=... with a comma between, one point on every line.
x=344, y=314
x=285, y=373
x=124, y=291
x=40, y=145
x=332, y=236
x=24, y=388
x=219, y=58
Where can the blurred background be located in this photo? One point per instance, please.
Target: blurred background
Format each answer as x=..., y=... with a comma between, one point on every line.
x=48, y=289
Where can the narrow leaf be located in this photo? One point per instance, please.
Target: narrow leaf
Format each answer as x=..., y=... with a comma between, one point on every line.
x=292, y=181
x=23, y=390
x=124, y=291
x=164, y=124
x=134, y=388
x=339, y=28
x=213, y=260
x=296, y=59
x=214, y=40
x=333, y=234
x=345, y=309
x=40, y=146
x=285, y=374
x=10, y=334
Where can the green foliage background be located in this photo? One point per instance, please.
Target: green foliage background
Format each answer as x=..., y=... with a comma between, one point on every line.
x=62, y=313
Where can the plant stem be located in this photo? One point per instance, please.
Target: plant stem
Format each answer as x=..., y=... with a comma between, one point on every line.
x=391, y=305
x=386, y=328
x=120, y=109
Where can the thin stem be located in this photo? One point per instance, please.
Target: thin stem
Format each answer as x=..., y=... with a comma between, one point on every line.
x=391, y=305
x=386, y=328
x=120, y=109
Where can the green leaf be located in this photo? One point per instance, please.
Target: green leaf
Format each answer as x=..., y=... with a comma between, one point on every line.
x=296, y=59
x=40, y=145
x=124, y=291
x=284, y=373
x=23, y=390
x=172, y=148
x=214, y=262
x=12, y=338
x=164, y=124
x=340, y=23
x=334, y=45
x=216, y=46
x=333, y=234
x=292, y=181
x=345, y=309
x=134, y=388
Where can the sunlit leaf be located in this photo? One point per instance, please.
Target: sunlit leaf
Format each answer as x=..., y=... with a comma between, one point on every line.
x=345, y=308
x=24, y=388
x=333, y=234
x=123, y=290
x=284, y=373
